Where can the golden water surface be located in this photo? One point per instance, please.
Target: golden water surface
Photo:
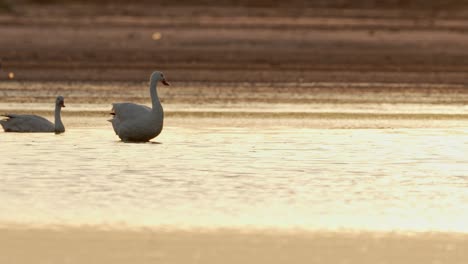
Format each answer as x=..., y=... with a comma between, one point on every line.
x=242, y=156
x=395, y=179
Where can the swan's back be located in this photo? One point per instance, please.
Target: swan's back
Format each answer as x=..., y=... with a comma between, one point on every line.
x=129, y=111
x=123, y=112
x=26, y=123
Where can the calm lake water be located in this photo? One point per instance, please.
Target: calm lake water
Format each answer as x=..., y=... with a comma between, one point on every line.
x=364, y=179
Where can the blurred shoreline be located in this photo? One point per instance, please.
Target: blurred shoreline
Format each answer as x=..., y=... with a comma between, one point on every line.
x=118, y=42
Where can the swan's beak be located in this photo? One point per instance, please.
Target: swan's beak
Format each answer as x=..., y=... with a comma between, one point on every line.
x=165, y=82
x=62, y=104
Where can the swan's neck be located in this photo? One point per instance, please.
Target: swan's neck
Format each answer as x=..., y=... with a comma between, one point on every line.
x=59, y=128
x=154, y=96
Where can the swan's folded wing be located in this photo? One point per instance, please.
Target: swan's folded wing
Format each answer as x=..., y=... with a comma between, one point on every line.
x=12, y=115
x=27, y=123
x=129, y=111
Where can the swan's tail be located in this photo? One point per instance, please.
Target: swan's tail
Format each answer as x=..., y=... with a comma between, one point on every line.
x=10, y=115
x=3, y=123
x=113, y=116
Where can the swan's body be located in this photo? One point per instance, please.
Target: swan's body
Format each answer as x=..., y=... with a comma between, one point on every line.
x=139, y=123
x=34, y=123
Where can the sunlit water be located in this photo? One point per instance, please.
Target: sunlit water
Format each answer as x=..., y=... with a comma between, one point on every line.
x=365, y=179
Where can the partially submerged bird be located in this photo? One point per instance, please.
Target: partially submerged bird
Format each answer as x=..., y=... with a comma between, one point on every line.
x=139, y=123
x=34, y=123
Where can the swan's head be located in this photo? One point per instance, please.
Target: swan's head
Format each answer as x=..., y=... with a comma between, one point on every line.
x=158, y=76
x=60, y=101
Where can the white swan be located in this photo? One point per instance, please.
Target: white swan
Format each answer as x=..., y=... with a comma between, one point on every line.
x=139, y=123
x=34, y=123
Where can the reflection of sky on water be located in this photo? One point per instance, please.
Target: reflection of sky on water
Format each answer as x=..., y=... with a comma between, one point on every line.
x=411, y=179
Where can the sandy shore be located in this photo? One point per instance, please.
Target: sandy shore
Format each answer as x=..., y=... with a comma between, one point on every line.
x=91, y=245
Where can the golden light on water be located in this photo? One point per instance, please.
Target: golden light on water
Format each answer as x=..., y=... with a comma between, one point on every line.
x=414, y=189
x=156, y=36
x=11, y=75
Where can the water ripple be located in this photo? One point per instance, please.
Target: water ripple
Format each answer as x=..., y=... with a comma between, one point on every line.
x=310, y=178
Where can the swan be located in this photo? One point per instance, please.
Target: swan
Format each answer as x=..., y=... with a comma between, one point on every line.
x=34, y=123
x=139, y=123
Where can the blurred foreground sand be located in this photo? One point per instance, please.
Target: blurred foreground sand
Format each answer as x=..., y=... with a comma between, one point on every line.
x=90, y=245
